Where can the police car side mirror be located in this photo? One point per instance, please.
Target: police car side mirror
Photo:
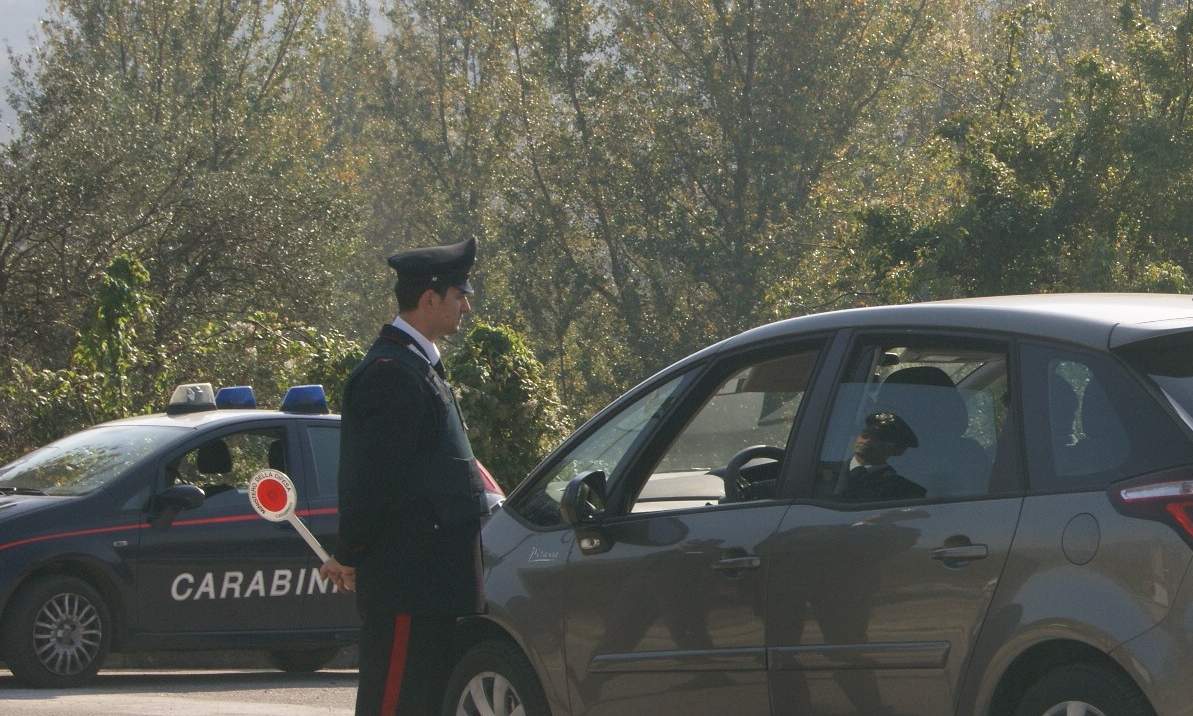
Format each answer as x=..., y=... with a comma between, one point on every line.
x=583, y=499
x=171, y=501
x=181, y=497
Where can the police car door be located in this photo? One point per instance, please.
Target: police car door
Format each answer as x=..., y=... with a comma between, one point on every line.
x=221, y=567
x=668, y=614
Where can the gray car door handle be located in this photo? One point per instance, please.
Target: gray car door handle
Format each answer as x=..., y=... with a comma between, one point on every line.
x=962, y=553
x=735, y=563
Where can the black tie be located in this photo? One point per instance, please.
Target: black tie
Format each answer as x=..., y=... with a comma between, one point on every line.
x=439, y=369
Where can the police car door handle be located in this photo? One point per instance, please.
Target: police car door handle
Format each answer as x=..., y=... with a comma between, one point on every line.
x=734, y=564
x=954, y=556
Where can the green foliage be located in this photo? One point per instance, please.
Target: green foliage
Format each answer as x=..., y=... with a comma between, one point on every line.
x=262, y=350
x=108, y=345
x=1094, y=196
x=267, y=352
x=38, y=406
x=508, y=401
x=186, y=136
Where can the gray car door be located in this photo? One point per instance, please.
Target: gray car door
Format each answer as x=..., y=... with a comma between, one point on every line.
x=882, y=572
x=669, y=615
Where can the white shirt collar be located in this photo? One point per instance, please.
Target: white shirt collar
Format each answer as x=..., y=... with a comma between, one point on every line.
x=855, y=463
x=429, y=351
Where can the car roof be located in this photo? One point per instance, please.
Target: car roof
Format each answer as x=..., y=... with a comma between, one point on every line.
x=208, y=418
x=1098, y=320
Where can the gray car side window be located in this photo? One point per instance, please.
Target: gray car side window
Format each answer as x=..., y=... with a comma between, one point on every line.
x=731, y=450
x=1088, y=423
x=603, y=449
x=921, y=418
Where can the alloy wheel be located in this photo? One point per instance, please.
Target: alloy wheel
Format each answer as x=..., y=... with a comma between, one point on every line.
x=490, y=694
x=67, y=632
x=1074, y=708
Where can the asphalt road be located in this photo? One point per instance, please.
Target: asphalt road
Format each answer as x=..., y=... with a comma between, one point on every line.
x=231, y=692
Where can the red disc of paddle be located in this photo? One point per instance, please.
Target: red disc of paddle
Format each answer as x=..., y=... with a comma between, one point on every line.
x=272, y=495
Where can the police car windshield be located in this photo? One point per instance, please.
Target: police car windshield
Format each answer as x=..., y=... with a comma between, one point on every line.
x=84, y=461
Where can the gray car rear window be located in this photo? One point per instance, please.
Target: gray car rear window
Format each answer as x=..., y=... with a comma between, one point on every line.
x=1167, y=361
x=1090, y=423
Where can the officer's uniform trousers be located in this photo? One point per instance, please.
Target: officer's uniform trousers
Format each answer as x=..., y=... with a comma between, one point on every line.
x=390, y=681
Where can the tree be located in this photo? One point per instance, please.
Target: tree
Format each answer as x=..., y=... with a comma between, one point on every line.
x=1092, y=197
x=186, y=135
x=509, y=402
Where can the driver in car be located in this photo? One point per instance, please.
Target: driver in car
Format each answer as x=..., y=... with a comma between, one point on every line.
x=870, y=478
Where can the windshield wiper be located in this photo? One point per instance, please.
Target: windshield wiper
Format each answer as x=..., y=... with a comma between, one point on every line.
x=20, y=491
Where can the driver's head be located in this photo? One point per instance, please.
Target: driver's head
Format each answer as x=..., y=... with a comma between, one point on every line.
x=884, y=436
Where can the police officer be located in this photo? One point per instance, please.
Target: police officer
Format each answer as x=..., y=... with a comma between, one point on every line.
x=410, y=498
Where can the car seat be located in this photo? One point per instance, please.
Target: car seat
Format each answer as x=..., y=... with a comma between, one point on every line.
x=214, y=458
x=1101, y=443
x=946, y=463
x=277, y=455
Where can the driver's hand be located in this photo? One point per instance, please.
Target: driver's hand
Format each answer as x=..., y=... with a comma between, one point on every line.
x=340, y=575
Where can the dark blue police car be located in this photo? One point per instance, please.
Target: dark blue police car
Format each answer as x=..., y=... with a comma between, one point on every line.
x=138, y=534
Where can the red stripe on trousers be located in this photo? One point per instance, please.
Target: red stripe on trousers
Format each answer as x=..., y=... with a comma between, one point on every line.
x=397, y=665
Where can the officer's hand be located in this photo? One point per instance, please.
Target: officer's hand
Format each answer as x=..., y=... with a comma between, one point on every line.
x=340, y=575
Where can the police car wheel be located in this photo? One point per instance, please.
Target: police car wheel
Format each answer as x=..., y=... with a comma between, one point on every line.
x=301, y=661
x=494, y=678
x=1084, y=690
x=56, y=632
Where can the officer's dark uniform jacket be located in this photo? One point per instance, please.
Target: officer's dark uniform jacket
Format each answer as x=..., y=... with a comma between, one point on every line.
x=882, y=483
x=410, y=495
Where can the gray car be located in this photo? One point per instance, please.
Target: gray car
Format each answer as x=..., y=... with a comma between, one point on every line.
x=966, y=507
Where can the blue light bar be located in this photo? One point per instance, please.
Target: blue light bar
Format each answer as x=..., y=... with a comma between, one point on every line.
x=305, y=399
x=236, y=396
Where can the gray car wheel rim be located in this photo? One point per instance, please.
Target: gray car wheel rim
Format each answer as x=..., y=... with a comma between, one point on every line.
x=66, y=634
x=489, y=694
x=1074, y=708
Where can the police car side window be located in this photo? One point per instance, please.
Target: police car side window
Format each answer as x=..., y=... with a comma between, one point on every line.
x=226, y=464
x=325, y=448
x=604, y=449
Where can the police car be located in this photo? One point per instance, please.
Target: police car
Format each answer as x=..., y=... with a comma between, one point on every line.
x=138, y=534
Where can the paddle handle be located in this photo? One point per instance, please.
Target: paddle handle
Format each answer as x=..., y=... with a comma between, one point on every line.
x=308, y=537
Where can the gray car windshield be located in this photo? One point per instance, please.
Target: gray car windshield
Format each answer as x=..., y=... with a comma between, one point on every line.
x=1168, y=361
x=83, y=462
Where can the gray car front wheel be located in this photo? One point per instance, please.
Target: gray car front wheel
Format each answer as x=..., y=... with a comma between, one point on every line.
x=494, y=679
x=1074, y=708
x=1084, y=690
x=489, y=693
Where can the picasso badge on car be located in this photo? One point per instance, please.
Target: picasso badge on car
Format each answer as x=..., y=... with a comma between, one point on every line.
x=273, y=496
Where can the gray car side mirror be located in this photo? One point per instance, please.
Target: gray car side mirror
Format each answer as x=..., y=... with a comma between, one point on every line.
x=583, y=499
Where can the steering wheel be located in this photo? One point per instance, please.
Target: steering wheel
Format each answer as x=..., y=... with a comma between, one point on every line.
x=736, y=486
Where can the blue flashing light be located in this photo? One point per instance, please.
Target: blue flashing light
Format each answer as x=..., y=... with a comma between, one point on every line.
x=236, y=396
x=305, y=399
